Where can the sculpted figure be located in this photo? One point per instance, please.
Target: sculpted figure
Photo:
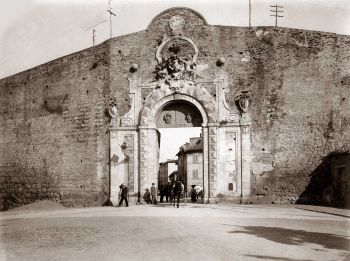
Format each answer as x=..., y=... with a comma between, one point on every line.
x=167, y=118
x=112, y=108
x=188, y=118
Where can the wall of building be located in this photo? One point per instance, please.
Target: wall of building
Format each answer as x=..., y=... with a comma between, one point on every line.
x=54, y=138
x=163, y=175
x=192, y=166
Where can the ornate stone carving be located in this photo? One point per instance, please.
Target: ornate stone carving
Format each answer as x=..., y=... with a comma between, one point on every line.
x=115, y=160
x=124, y=147
x=232, y=117
x=126, y=122
x=177, y=23
x=112, y=107
x=174, y=46
x=194, y=94
x=167, y=118
x=244, y=101
x=176, y=68
x=188, y=118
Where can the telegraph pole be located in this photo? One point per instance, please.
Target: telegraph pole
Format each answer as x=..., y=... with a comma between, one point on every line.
x=277, y=10
x=250, y=13
x=94, y=31
x=110, y=17
x=93, y=37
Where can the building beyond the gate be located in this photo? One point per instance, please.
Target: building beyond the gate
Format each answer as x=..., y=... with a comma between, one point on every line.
x=273, y=104
x=164, y=167
x=190, y=163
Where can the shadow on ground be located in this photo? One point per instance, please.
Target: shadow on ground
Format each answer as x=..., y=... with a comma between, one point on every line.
x=296, y=237
x=276, y=258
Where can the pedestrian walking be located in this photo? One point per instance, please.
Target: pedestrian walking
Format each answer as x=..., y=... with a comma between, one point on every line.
x=123, y=195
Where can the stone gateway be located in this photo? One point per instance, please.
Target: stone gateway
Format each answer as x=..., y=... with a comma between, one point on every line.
x=272, y=103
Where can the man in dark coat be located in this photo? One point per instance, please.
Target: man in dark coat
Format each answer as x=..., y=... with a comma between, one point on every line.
x=123, y=195
x=193, y=194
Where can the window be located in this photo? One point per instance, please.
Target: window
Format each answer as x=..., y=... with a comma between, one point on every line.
x=230, y=186
x=195, y=158
x=195, y=174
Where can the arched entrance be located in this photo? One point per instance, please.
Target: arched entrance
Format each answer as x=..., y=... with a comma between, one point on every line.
x=175, y=110
x=134, y=138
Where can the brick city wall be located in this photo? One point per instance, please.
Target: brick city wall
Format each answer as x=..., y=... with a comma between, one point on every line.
x=53, y=132
x=53, y=122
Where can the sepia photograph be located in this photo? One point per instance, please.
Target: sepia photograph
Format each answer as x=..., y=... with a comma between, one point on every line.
x=166, y=130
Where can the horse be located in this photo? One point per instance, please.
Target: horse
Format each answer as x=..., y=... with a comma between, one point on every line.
x=177, y=189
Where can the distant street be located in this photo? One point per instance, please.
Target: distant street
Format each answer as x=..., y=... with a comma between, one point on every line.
x=162, y=232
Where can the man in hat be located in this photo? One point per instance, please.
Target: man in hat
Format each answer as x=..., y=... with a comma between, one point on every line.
x=123, y=195
x=154, y=194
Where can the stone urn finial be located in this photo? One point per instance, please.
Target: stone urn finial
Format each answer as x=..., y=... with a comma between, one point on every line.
x=112, y=108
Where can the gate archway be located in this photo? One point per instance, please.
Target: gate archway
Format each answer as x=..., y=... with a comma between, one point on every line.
x=225, y=131
x=148, y=136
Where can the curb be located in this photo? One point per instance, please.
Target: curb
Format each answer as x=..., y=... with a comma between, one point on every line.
x=325, y=210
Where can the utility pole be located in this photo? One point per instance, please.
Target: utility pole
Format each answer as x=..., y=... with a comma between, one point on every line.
x=94, y=30
x=276, y=12
x=93, y=37
x=250, y=13
x=110, y=17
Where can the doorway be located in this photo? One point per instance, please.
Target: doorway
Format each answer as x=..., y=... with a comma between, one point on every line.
x=181, y=150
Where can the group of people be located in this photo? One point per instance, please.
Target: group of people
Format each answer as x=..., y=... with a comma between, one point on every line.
x=196, y=192
x=172, y=191
x=150, y=197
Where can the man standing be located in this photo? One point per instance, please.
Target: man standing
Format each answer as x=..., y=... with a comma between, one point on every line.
x=123, y=195
x=154, y=194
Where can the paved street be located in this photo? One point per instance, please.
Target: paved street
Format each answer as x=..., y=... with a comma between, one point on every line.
x=193, y=232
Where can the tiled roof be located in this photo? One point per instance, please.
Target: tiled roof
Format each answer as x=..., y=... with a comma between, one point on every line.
x=195, y=144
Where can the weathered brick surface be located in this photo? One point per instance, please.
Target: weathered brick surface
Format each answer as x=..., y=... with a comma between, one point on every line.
x=53, y=132
x=54, y=140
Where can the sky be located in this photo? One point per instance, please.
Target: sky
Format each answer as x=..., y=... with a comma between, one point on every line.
x=33, y=32
x=171, y=139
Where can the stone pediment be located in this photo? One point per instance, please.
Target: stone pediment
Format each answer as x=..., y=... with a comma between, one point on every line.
x=176, y=20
